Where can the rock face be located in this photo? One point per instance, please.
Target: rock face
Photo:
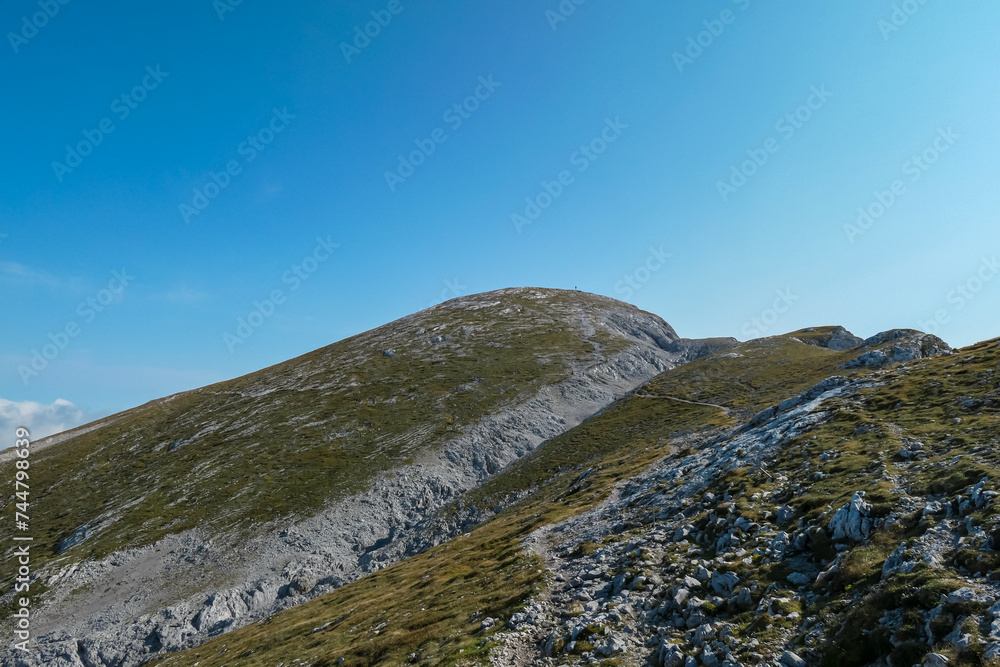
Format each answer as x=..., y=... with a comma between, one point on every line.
x=172, y=594
x=832, y=338
x=898, y=346
x=842, y=339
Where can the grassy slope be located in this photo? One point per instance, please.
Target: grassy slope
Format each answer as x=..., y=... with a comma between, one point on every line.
x=227, y=456
x=918, y=401
x=430, y=602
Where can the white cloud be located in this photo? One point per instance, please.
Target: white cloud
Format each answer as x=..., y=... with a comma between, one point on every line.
x=41, y=420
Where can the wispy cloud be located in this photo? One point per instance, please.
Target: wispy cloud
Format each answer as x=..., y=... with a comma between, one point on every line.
x=14, y=272
x=40, y=419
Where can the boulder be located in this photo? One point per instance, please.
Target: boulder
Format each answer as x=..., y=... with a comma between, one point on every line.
x=723, y=583
x=743, y=599
x=785, y=514
x=670, y=655
x=852, y=520
x=992, y=652
x=799, y=578
x=790, y=659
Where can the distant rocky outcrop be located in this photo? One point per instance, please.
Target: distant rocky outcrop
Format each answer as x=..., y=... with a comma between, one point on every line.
x=898, y=346
x=832, y=338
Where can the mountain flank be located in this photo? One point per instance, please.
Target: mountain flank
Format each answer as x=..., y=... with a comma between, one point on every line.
x=198, y=513
x=541, y=477
x=769, y=504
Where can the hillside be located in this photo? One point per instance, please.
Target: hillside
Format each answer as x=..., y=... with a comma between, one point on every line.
x=777, y=503
x=620, y=496
x=198, y=513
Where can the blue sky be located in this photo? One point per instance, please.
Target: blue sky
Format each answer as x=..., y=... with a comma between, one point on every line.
x=169, y=166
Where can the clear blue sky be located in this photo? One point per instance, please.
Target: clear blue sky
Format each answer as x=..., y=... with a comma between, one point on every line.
x=329, y=121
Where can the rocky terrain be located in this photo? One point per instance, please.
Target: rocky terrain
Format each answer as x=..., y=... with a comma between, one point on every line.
x=722, y=557
x=806, y=499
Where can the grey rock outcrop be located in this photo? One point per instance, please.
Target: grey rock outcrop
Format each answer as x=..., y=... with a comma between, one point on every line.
x=898, y=346
x=852, y=520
